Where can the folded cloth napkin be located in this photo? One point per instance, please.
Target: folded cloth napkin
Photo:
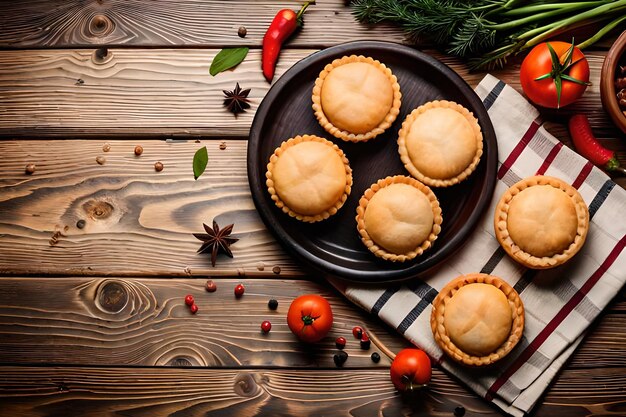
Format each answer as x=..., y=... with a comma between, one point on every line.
x=560, y=303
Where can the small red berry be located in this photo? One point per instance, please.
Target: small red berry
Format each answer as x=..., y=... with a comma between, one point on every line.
x=239, y=290
x=357, y=331
x=210, y=286
x=193, y=308
x=266, y=326
x=340, y=342
x=189, y=300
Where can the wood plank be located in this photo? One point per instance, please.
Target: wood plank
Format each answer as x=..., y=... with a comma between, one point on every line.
x=118, y=322
x=168, y=92
x=163, y=23
x=138, y=222
x=45, y=391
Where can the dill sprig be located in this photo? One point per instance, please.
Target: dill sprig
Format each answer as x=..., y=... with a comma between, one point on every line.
x=487, y=32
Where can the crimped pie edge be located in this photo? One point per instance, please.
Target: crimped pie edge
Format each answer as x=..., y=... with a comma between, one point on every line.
x=276, y=198
x=525, y=258
x=404, y=153
x=343, y=134
x=444, y=341
x=360, y=218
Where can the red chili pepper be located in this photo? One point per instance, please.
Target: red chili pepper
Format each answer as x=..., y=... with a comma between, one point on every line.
x=589, y=147
x=284, y=24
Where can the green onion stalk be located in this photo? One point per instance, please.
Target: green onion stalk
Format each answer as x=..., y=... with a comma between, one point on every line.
x=487, y=32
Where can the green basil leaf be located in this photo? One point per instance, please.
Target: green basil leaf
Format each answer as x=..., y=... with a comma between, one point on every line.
x=200, y=159
x=227, y=58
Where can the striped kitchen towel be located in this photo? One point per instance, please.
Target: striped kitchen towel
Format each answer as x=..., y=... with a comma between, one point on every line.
x=560, y=303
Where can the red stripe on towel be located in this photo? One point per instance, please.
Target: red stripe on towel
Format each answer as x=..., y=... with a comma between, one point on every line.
x=584, y=173
x=551, y=155
x=517, y=151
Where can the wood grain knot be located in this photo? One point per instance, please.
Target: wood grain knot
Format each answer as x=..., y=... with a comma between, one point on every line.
x=112, y=297
x=100, y=26
x=98, y=210
x=246, y=386
x=101, y=56
x=180, y=361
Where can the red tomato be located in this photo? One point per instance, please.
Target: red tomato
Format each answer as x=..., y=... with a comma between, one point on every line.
x=310, y=317
x=410, y=369
x=539, y=62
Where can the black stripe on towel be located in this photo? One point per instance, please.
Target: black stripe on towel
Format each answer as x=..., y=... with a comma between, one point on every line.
x=493, y=95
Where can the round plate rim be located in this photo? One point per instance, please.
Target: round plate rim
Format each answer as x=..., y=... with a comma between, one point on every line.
x=269, y=214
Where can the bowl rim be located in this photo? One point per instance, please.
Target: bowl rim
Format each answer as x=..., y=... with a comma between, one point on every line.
x=607, y=81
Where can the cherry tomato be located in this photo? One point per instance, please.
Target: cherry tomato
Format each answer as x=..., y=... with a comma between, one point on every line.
x=310, y=317
x=410, y=369
x=539, y=62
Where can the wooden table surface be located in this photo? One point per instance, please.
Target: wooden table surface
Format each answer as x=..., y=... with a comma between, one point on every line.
x=92, y=320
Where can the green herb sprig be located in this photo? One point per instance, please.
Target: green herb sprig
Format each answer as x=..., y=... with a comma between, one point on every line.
x=487, y=32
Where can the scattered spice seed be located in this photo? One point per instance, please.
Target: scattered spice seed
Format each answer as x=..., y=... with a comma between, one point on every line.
x=357, y=331
x=340, y=342
x=340, y=358
x=272, y=304
x=106, y=147
x=210, y=286
x=276, y=269
x=80, y=81
x=30, y=169
x=239, y=290
x=193, y=308
x=260, y=266
x=158, y=166
x=222, y=145
x=242, y=32
x=459, y=411
x=375, y=357
x=100, y=160
x=189, y=300
x=138, y=150
x=81, y=224
x=266, y=326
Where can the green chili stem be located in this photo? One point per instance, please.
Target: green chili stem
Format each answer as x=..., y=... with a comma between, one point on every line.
x=606, y=29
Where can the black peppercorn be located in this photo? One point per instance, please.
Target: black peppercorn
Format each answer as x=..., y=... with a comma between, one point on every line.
x=80, y=224
x=375, y=357
x=340, y=358
x=272, y=304
x=459, y=411
x=242, y=32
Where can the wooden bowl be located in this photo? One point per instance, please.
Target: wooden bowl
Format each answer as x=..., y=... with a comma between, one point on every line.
x=607, y=82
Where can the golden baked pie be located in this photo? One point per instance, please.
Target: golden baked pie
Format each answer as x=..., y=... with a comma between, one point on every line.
x=541, y=222
x=398, y=218
x=440, y=143
x=477, y=319
x=309, y=178
x=355, y=98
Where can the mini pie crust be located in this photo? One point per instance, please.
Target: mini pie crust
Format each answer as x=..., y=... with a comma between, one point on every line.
x=309, y=178
x=356, y=98
x=541, y=222
x=398, y=218
x=477, y=319
x=440, y=143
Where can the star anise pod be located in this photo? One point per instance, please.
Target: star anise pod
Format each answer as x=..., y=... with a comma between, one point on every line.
x=236, y=101
x=216, y=240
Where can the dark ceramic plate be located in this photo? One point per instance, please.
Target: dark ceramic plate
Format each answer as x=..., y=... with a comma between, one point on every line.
x=333, y=247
